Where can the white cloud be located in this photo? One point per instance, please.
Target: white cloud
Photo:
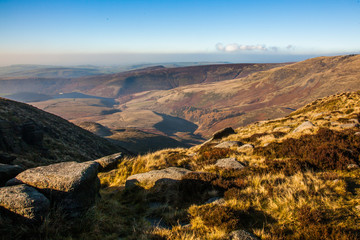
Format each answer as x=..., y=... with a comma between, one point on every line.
x=231, y=47
x=234, y=47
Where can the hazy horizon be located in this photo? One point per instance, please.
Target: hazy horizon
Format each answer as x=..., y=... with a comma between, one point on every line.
x=127, y=32
x=133, y=59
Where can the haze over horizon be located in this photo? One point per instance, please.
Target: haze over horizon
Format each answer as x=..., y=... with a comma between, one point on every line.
x=124, y=32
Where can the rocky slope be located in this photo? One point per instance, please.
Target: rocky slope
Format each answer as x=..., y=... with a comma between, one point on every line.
x=36, y=138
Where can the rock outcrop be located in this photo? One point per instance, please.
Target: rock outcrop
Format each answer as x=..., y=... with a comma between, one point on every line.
x=8, y=172
x=223, y=133
x=246, y=147
x=242, y=235
x=229, y=163
x=71, y=186
x=228, y=144
x=108, y=162
x=167, y=176
x=24, y=202
x=303, y=126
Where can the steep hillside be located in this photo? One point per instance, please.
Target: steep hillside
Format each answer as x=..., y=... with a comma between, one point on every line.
x=259, y=96
x=36, y=137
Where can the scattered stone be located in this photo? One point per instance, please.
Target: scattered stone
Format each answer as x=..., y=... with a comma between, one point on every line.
x=6, y=158
x=229, y=163
x=72, y=186
x=109, y=162
x=353, y=166
x=282, y=129
x=303, y=126
x=318, y=115
x=8, y=172
x=242, y=235
x=246, y=147
x=349, y=125
x=191, y=154
x=216, y=200
x=24, y=201
x=357, y=133
x=223, y=133
x=168, y=175
x=229, y=144
x=354, y=120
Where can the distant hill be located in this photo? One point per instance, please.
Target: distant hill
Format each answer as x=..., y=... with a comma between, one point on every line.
x=36, y=137
x=52, y=81
x=125, y=83
x=28, y=97
x=209, y=105
x=258, y=96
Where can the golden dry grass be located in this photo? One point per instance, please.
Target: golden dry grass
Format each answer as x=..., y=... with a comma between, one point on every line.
x=273, y=197
x=307, y=204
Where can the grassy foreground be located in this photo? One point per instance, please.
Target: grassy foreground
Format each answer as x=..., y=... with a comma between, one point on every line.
x=297, y=184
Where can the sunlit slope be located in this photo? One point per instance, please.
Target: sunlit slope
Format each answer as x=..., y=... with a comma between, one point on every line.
x=262, y=95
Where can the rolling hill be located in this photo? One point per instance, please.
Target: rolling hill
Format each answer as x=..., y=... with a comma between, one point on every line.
x=258, y=96
x=199, y=100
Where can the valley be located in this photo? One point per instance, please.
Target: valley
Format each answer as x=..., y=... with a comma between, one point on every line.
x=188, y=104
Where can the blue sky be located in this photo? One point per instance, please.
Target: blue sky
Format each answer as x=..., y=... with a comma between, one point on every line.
x=111, y=32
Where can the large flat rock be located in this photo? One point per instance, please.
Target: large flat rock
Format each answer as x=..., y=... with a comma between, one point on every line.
x=71, y=186
x=170, y=174
x=65, y=176
x=229, y=163
x=24, y=201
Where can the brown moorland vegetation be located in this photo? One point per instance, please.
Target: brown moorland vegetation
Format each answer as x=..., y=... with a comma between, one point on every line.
x=284, y=191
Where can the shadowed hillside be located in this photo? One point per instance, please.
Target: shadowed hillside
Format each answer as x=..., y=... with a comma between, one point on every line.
x=36, y=137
